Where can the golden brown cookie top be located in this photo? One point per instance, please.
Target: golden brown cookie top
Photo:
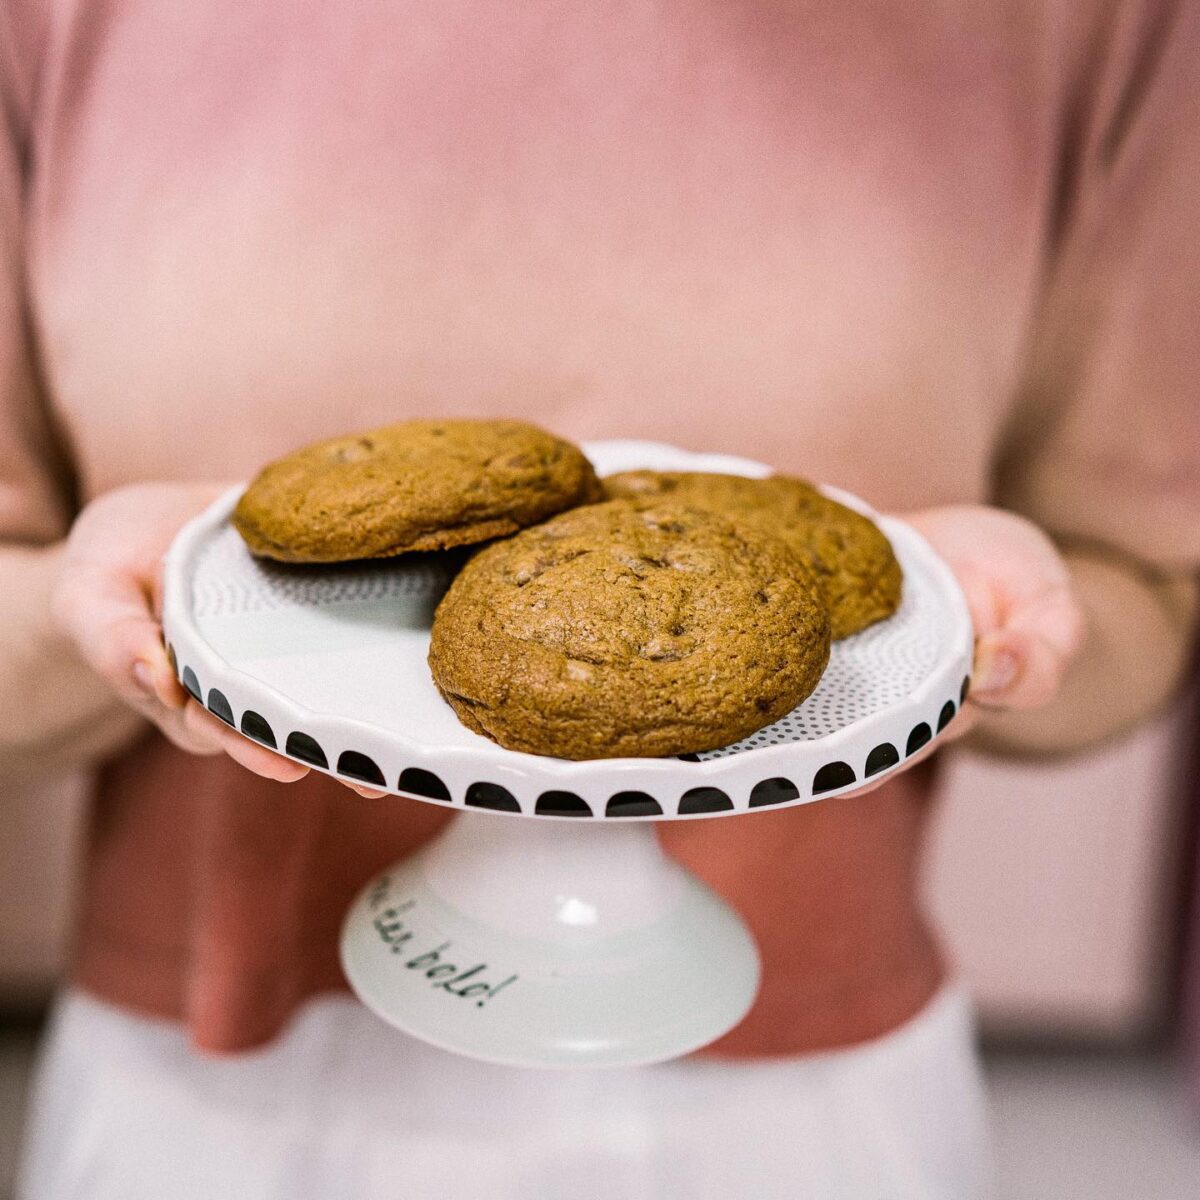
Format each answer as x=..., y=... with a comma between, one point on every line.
x=851, y=558
x=418, y=485
x=629, y=629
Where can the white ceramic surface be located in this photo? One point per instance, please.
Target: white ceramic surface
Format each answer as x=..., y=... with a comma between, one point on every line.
x=329, y=666
x=544, y=945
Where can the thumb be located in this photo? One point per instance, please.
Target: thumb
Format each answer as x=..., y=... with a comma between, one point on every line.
x=1016, y=669
x=108, y=616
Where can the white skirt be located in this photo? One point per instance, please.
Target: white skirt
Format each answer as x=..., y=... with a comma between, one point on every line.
x=344, y=1108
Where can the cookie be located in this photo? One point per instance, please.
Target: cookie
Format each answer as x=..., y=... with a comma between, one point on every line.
x=626, y=628
x=419, y=485
x=851, y=558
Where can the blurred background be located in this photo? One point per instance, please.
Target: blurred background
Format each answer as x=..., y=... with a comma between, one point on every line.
x=1067, y=890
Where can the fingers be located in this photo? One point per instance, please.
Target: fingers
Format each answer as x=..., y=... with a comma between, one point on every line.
x=1028, y=622
x=196, y=731
x=1022, y=663
x=118, y=635
x=108, y=590
x=368, y=793
x=207, y=729
x=176, y=731
x=1015, y=669
x=106, y=613
x=1054, y=616
x=108, y=599
x=983, y=601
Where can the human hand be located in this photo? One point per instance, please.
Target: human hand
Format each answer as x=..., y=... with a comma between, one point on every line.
x=1028, y=623
x=106, y=598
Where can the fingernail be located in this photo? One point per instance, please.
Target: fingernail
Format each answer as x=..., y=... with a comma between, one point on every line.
x=142, y=677
x=999, y=672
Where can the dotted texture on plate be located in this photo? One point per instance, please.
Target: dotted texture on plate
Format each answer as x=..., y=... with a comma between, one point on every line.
x=228, y=581
x=867, y=673
x=878, y=667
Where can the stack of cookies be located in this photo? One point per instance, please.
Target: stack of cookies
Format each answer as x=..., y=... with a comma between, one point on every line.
x=651, y=613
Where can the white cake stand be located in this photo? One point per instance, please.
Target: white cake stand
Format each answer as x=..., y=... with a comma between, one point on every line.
x=544, y=927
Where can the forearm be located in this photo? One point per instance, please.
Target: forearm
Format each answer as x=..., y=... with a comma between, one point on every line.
x=54, y=711
x=1140, y=637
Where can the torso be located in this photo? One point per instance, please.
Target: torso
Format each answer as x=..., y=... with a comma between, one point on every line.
x=806, y=233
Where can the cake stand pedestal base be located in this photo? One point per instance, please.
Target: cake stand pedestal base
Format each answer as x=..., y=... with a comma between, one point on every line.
x=550, y=944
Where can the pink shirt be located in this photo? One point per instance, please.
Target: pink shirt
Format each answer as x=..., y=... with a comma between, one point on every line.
x=931, y=253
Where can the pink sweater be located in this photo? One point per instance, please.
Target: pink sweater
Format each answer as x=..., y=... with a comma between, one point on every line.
x=929, y=252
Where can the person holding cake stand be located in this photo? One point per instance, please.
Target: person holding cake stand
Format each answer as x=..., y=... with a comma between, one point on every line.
x=933, y=258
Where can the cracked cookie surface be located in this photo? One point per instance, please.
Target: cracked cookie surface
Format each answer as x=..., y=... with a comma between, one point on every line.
x=418, y=485
x=627, y=628
x=849, y=555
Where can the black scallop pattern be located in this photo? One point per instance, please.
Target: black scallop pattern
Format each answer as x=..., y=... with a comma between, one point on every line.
x=255, y=726
x=218, y=705
x=704, y=800
x=562, y=804
x=946, y=715
x=419, y=782
x=966, y=687
x=192, y=684
x=355, y=765
x=832, y=776
x=883, y=756
x=492, y=795
x=773, y=791
x=688, y=757
x=919, y=736
x=632, y=804
x=306, y=748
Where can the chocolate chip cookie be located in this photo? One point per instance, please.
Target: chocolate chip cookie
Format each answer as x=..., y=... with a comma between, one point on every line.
x=419, y=485
x=629, y=628
x=852, y=560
